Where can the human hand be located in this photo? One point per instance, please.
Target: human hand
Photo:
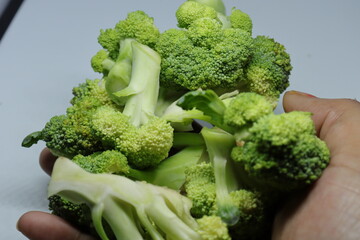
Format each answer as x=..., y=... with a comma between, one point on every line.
x=331, y=208
x=38, y=225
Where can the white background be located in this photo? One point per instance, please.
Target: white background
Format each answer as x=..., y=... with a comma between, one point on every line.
x=48, y=46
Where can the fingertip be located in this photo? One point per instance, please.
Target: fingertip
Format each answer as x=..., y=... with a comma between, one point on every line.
x=37, y=225
x=296, y=100
x=47, y=160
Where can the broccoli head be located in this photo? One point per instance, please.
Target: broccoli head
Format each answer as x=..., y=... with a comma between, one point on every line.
x=269, y=68
x=213, y=228
x=144, y=146
x=138, y=25
x=203, y=56
x=200, y=188
x=71, y=133
x=285, y=150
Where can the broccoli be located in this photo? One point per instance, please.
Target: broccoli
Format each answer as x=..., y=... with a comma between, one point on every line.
x=282, y=149
x=138, y=25
x=269, y=68
x=203, y=56
x=213, y=51
x=95, y=123
x=200, y=188
x=132, y=209
x=213, y=228
x=71, y=133
x=271, y=149
x=178, y=138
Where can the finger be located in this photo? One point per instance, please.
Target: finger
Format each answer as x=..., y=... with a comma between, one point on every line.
x=336, y=121
x=47, y=160
x=44, y=226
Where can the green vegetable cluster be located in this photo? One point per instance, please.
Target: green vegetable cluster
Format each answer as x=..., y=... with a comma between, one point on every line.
x=177, y=139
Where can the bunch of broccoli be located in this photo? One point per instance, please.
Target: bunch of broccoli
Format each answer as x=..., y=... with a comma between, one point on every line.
x=178, y=138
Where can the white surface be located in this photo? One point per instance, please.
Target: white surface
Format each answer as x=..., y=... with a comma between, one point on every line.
x=47, y=48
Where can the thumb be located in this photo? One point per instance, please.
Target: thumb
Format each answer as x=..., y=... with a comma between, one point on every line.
x=336, y=122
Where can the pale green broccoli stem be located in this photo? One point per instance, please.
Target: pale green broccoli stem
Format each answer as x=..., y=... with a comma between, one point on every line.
x=119, y=74
x=209, y=104
x=163, y=213
x=186, y=139
x=142, y=93
x=219, y=145
x=171, y=172
x=120, y=219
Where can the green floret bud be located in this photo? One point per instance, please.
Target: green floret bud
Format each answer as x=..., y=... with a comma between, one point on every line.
x=78, y=215
x=282, y=129
x=252, y=215
x=205, y=56
x=269, y=69
x=147, y=145
x=138, y=25
x=110, y=125
x=245, y=109
x=205, y=32
x=109, y=161
x=312, y=156
x=98, y=59
x=213, y=228
x=282, y=149
x=109, y=39
x=91, y=89
x=200, y=188
x=190, y=11
x=144, y=146
x=241, y=20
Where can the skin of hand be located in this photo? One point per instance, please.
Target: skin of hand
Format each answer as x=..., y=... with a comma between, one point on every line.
x=330, y=209
x=38, y=225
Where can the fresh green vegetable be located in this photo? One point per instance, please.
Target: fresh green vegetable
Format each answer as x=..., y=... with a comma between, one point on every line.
x=178, y=139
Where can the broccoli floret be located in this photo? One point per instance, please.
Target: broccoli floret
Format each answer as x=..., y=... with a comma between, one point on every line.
x=239, y=19
x=200, y=188
x=190, y=11
x=203, y=56
x=243, y=110
x=145, y=146
x=71, y=133
x=213, y=228
x=78, y=215
x=254, y=221
x=131, y=209
x=269, y=69
x=109, y=161
x=138, y=25
x=282, y=149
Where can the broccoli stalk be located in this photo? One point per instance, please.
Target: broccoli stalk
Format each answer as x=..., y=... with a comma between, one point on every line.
x=119, y=73
x=132, y=209
x=219, y=145
x=143, y=90
x=170, y=172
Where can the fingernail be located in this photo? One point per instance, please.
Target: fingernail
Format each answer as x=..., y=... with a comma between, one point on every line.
x=301, y=93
